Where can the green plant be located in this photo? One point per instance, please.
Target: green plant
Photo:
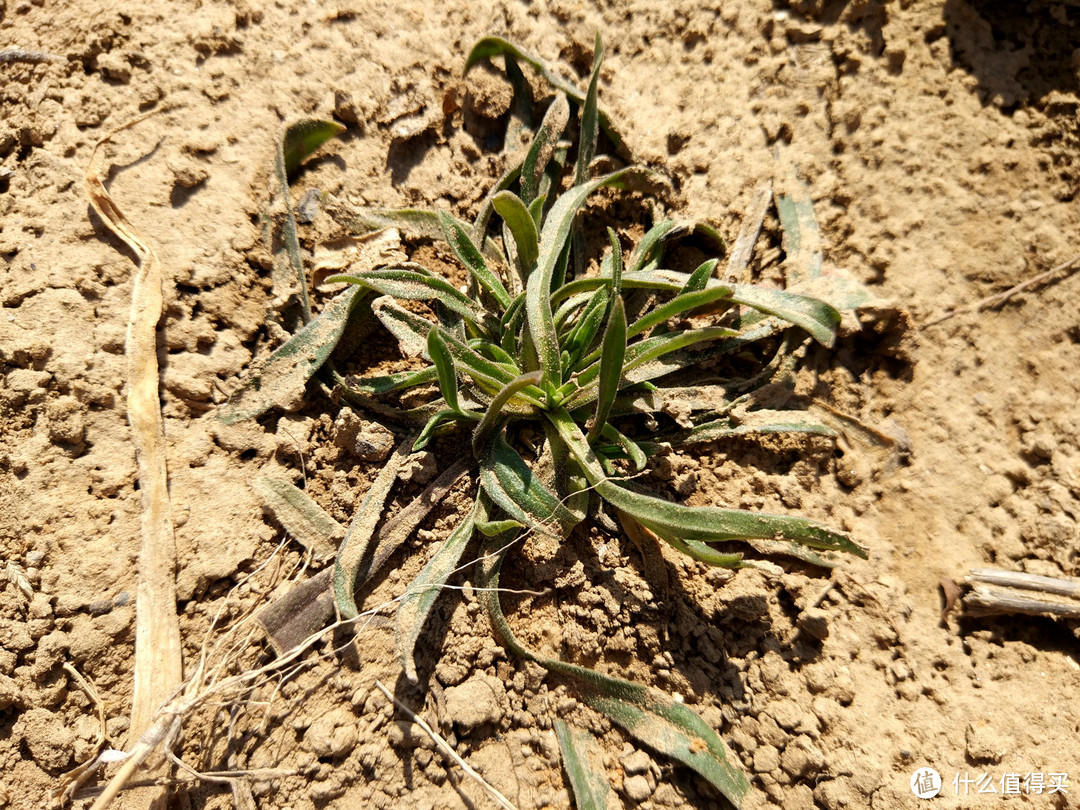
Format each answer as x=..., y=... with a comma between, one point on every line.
x=575, y=351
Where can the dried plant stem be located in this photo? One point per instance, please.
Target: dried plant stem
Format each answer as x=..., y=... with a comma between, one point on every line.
x=73, y=779
x=1068, y=267
x=182, y=703
x=748, y=234
x=995, y=591
x=25, y=55
x=158, y=664
x=445, y=747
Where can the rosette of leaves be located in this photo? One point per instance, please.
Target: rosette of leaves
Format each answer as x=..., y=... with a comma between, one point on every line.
x=575, y=351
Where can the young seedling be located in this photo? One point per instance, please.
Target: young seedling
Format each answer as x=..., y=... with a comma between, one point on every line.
x=576, y=351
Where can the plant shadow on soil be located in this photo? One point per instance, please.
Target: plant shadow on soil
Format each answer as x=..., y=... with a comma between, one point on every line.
x=1020, y=52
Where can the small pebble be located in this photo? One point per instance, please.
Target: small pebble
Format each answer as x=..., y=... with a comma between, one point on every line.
x=637, y=788
x=766, y=759
x=333, y=735
x=477, y=702
x=368, y=441
x=635, y=763
x=815, y=623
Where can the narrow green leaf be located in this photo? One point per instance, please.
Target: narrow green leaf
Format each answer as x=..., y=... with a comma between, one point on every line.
x=439, y=419
x=584, y=334
x=675, y=730
x=516, y=216
x=412, y=223
x=413, y=282
x=419, y=598
x=536, y=209
x=516, y=489
x=571, y=305
x=589, y=119
x=493, y=46
x=664, y=724
x=566, y=477
x=816, y=317
x=511, y=324
x=553, y=238
x=651, y=246
x=639, y=355
x=493, y=528
x=444, y=367
x=631, y=448
x=469, y=255
x=411, y=332
x=494, y=413
x=489, y=376
x=300, y=516
x=699, y=279
x=558, y=278
x=303, y=138
x=279, y=380
x=543, y=148
x=530, y=359
x=579, y=751
x=616, y=263
x=495, y=353
x=682, y=304
x=711, y=524
x=611, y=367
x=678, y=523
x=353, y=550
x=660, y=280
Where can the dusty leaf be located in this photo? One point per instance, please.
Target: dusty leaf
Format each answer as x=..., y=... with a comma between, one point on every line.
x=281, y=379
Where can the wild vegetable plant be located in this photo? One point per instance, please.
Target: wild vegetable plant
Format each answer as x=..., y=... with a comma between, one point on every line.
x=590, y=353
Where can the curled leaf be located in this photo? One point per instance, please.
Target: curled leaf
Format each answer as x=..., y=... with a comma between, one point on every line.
x=304, y=137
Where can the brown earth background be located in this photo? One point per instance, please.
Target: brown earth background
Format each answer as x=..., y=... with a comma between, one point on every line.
x=940, y=145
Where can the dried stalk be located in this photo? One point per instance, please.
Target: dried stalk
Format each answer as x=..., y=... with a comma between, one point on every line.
x=995, y=592
x=158, y=664
x=1067, y=267
x=446, y=748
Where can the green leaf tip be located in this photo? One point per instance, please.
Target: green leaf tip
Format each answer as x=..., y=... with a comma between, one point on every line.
x=304, y=137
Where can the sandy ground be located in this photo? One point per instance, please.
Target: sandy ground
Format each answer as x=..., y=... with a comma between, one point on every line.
x=940, y=143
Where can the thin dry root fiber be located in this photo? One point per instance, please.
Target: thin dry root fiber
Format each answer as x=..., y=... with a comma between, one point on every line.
x=158, y=666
